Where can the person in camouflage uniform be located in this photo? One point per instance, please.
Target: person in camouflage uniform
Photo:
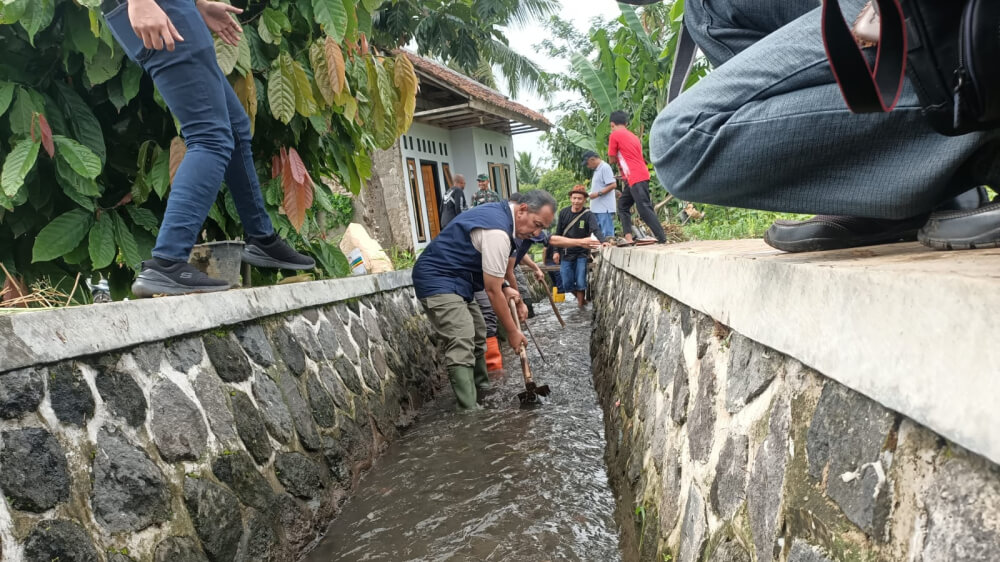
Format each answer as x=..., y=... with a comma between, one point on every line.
x=485, y=194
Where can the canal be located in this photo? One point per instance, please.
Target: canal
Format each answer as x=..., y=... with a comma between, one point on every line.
x=502, y=483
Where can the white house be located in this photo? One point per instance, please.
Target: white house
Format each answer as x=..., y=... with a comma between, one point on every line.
x=460, y=127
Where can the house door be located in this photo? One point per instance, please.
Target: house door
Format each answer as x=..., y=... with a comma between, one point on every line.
x=432, y=186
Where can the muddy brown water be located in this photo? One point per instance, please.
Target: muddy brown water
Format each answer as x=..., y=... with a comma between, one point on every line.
x=503, y=483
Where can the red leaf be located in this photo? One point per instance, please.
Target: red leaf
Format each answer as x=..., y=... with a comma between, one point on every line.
x=43, y=124
x=275, y=166
x=364, y=44
x=298, y=198
x=298, y=168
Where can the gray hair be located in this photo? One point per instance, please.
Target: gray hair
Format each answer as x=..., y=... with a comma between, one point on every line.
x=457, y=178
x=536, y=200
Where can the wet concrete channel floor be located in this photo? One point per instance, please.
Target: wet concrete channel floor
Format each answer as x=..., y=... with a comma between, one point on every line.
x=503, y=483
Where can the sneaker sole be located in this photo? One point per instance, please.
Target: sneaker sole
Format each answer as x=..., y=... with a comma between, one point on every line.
x=824, y=244
x=253, y=256
x=146, y=288
x=983, y=241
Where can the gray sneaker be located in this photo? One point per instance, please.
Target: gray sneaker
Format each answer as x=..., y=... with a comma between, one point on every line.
x=179, y=278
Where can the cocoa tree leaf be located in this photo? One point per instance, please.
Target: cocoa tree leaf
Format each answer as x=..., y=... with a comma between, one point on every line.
x=177, y=151
x=46, y=133
x=405, y=79
x=298, y=196
x=74, y=182
x=336, y=67
x=244, y=60
x=62, y=235
x=332, y=16
x=297, y=167
x=126, y=242
x=6, y=96
x=79, y=157
x=77, y=25
x=131, y=77
x=11, y=11
x=272, y=24
x=83, y=125
x=23, y=111
x=305, y=102
x=104, y=66
x=101, y=243
x=246, y=90
x=159, y=173
x=321, y=72
x=226, y=55
x=144, y=218
x=281, y=89
x=36, y=17
x=18, y=163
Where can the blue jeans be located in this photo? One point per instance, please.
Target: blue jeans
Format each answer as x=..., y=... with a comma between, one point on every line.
x=574, y=274
x=215, y=127
x=607, y=223
x=768, y=128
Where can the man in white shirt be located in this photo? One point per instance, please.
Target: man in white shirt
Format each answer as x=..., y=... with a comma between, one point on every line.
x=602, y=193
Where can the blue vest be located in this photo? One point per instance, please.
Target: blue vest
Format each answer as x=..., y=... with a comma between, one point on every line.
x=451, y=264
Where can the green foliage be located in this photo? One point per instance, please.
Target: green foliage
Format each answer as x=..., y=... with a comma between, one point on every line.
x=464, y=34
x=557, y=182
x=725, y=223
x=96, y=204
x=401, y=259
x=527, y=169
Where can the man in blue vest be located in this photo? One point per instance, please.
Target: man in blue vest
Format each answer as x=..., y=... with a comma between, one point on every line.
x=471, y=254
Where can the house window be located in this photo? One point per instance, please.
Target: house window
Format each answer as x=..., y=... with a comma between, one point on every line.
x=418, y=210
x=506, y=179
x=446, y=150
x=500, y=179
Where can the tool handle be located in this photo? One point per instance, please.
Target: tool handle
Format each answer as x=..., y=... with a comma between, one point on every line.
x=525, y=369
x=552, y=301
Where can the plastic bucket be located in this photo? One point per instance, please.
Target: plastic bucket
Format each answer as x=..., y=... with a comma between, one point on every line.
x=557, y=296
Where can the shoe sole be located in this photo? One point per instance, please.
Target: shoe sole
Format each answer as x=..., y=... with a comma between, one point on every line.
x=824, y=244
x=146, y=288
x=989, y=240
x=253, y=256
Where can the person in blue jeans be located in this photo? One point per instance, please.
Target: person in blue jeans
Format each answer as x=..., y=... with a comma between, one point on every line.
x=768, y=129
x=577, y=232
x=603, y=198
x=172, y=41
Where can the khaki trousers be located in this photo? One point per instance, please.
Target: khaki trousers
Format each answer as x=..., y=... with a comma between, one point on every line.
x=460, y=326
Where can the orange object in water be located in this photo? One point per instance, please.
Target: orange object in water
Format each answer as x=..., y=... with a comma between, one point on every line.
x=494, y=359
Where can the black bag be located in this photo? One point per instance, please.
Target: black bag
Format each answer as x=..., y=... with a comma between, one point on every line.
x=950, y=49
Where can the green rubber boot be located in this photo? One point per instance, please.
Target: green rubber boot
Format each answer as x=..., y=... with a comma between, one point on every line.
x=463, y=384
x=482, y=378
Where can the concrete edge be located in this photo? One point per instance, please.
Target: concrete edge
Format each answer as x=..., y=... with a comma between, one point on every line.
x=920, y=342
x=49, y=336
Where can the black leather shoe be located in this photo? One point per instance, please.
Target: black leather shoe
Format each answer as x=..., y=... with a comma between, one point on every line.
x=830, y=232
x=963, y=230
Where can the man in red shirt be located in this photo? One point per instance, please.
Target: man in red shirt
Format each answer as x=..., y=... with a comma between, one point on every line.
x=625, y=149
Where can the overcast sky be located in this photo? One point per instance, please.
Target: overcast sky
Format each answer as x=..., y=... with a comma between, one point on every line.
x=523, y=40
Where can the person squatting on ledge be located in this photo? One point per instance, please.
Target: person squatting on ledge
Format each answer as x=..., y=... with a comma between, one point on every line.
x=471, y=254
x=768, y=129
x=172, y=41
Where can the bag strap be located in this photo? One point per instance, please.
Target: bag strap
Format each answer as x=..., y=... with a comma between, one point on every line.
x=570, y=224
x=867, y=90
x=684, y=57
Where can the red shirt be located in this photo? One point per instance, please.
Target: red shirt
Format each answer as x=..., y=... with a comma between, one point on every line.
x=626, y=148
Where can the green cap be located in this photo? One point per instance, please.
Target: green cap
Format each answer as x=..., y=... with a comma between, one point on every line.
x=482, y=177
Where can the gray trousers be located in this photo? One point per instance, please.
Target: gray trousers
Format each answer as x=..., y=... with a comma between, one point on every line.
x=768, y=128
x=486, y=307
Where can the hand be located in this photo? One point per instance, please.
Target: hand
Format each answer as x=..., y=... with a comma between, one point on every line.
x=589, y=243
x=517, y=341
x=595, y=195
x=522, y=311
x=556, y=258
x=152, y=25
x=539, y=276
x=217, y=18
x=511, y=293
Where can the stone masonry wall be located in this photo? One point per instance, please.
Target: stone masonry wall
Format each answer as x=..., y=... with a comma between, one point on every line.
x=720, y=449
x=235, y=445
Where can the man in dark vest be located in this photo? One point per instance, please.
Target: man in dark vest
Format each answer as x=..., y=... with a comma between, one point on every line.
x=472, y=254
